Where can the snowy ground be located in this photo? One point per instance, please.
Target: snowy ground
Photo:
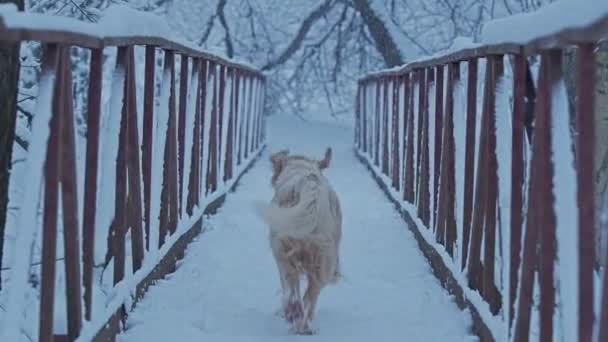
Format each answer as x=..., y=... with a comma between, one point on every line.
x=227, y=288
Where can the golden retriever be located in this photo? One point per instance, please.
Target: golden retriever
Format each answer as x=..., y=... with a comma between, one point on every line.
x=305, y=223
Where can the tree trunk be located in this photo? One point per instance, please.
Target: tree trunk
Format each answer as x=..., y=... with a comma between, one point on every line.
x=9, y=76
x=383, y=39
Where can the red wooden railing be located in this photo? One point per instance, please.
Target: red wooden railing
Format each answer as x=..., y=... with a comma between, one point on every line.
x=487, y=193
x=195, y=144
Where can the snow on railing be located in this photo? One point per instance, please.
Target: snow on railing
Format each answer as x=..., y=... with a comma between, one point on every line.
x=199, y=131
x=482, y=157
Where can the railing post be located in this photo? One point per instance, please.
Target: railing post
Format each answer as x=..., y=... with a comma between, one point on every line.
x=134, y=211
x=396, y=162
x=517, y=177
x=181, y=126
x=91, y=168
x=50, y=58
x=469, y=163
x=489, y=288
x=147, y=144
x=439, y=71
x=585, y=144
x=408, y=187
x=423, y=140
x=385, y=128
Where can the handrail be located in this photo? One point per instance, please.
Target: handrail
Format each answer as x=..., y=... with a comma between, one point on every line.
x=63, y=30
x=593, y=32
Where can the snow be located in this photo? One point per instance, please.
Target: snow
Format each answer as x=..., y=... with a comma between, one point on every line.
x=550, y=19
x=226, y=288
x=18, y=284
x=566, y=212
x=504, y=137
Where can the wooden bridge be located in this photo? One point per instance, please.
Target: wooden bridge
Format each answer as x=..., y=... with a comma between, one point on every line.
x=475, y=151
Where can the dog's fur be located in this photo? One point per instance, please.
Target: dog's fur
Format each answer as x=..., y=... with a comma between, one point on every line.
x=305, y=222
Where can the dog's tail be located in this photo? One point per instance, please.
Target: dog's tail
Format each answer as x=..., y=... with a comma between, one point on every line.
x=300, y=220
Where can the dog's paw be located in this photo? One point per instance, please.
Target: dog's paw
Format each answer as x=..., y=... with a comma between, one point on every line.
x=303, y=328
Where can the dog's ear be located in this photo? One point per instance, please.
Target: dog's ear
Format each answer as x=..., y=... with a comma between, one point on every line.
x=278, y=160
x=324, y=163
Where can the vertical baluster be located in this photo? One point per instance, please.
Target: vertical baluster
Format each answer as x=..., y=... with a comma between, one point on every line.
x=213, y=139
x=237, y=118
x=148, y=127
x=489, y=288
x=385, y=128
x=378, y=103
x=469, y=163
x=119, y=224
x=517, y=177
x=396, y=163
x=409, y=158
x=69, y=198
x=195, y=165
x=52, y=164
x=479, y=206
x=438, y=135
x=585, y=144
x=165, y=221
x=90, y=185
x=134, y=210
x=230, y=135
x=423, y=186
x=181, y=125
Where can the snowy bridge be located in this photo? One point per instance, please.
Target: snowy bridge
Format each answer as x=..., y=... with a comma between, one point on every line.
x=476, y=222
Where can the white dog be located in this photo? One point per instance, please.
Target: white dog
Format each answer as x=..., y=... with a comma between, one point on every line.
x=305, y=222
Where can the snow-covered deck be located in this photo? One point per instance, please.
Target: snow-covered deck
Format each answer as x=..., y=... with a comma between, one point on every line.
x=227, y=287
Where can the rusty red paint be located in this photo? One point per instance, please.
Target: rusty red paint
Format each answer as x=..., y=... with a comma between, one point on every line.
x=495, y=62
x=385, y=129
x=469, y=159
x=69, y=199
x=409, y=159
x=116, y=238
x=169, y=68
x=376, y=153
x=181, y=125
x=395, y=174
x=228, y=160
x=438, y=135
x=585, y=145
x=517, y=177
x=50, y=59
x=479, y=205
x=148, y=132
x=423, y=185
x=91, y=169
x=134, y=210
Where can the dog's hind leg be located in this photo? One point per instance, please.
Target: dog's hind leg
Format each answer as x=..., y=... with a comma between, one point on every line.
x=310, y=302
x=293, y=310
